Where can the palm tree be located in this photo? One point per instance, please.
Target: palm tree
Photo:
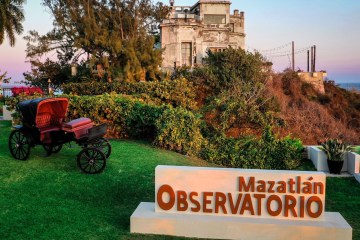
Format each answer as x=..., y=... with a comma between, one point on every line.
x=11, y=18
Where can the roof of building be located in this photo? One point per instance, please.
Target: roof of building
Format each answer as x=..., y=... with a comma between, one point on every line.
x=214, y=1
x=210, y=1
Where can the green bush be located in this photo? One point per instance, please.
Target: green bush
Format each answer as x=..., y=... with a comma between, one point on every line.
x=268, y=152
x=232, y=85
x=126, y=116
x=172, y=128
x=178, y=92
x=179, y=130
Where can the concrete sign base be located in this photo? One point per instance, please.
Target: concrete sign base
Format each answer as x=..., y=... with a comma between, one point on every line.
x=146, y=221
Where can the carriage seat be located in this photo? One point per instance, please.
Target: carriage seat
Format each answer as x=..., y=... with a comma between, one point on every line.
x=76, y=123
x=47, y=122
x=78, y=126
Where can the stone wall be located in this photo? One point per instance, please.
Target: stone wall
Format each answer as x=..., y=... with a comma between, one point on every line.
x=314, y=78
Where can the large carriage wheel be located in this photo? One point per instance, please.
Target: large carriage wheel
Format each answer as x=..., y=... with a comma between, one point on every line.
x=19, y=145
x=91, y=160
x=103, y=145
x=52, y=149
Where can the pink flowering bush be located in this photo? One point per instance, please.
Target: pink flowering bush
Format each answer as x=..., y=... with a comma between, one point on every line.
x=26, y=90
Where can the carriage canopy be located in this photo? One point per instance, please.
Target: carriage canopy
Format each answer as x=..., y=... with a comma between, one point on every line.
x=43, y=112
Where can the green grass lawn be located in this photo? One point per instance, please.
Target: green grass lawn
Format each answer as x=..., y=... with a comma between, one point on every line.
x=48, y=197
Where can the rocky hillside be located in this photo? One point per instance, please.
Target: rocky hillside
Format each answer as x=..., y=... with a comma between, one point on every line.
x=311, y=116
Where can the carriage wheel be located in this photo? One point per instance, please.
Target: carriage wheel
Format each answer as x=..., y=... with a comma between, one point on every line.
x=103, y=145
x=52, y=149
x=91, y=160
x=19, y=145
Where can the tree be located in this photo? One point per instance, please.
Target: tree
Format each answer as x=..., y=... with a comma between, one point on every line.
x=3, y=78
x=114, y=33
x=234, y=82
x=41, y=72
x=11, y=18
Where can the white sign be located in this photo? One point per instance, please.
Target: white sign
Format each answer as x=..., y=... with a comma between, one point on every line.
x=240, y=192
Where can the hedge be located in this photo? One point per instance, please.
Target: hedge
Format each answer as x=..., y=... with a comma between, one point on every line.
x=266, y=152
x=180, y=130
x=178, y=93
x=175, y=129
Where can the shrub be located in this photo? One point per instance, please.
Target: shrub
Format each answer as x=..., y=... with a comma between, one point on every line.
x=268, y=152
x=126, y=116
x=172, y=128
x=324, y=99
x=179, y=130
x=178, y=92
x=26, y=90
x=231, y=85
x=11, y=102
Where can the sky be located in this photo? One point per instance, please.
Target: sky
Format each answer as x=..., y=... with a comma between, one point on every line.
x=332, y=25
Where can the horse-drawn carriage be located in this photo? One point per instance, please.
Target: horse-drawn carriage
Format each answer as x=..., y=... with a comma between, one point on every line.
x=43, y=124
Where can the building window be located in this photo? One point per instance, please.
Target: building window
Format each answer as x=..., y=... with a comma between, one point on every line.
x=216, y=49
x=214, y=19
x=186, y=54
x=232, y=27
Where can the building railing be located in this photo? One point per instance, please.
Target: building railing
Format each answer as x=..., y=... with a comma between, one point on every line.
x=7, y=92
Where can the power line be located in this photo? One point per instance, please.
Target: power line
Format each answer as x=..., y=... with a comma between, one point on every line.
x=270, y=54
x=272, y=49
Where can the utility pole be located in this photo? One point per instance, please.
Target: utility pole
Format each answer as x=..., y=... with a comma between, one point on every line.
x=308, y=60
x=312, y=58
x=314, y=70
x=293, y=56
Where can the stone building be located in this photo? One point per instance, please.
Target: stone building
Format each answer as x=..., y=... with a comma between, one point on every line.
x=190, y=31
x=316, y=79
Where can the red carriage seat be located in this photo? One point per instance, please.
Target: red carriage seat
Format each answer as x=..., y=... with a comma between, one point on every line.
x=78, y=126
x=49, y=116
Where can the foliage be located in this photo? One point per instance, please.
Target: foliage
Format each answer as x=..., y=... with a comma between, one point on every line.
x=234, y=84
x=26, y=90
x=268, y=152
x=179, y=130
x=3, y=78
x=41, y=72
x=324, y=99
x=234, y=67
x=11, y=18
x=11, y=102
x=178, y=92
x=124, y=115
x=176, y=129
x=288, y=78
x=335, y=149
x=1, y=105
x=115, y=33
